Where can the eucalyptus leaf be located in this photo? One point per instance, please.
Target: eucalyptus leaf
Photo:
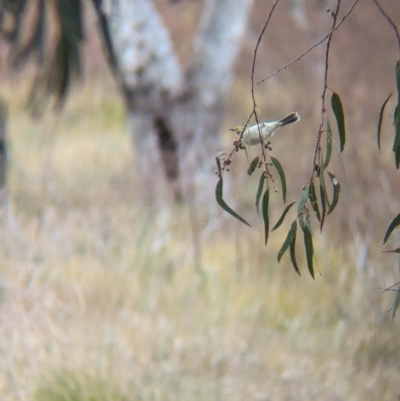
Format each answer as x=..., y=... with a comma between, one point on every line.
x=221, y=202
x=281, y=173
x=289, y=239
x=253, y=165
x=396, y=303
x=303, y=199
x=328, y=131
x=313, y=199
x=392, y=226
x=336, y=192
x=293, y=255
x=337, y=108
x=309, y=251
x=381, y=113
x=265, y=205
x=259, y=191
x=282, y=218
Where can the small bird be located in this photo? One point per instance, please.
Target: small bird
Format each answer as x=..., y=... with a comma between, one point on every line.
x=251, y=135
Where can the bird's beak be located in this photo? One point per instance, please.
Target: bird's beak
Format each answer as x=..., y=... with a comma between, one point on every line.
x=231, y=129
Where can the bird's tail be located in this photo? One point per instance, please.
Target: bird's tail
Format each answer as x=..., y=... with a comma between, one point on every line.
x=290, y=118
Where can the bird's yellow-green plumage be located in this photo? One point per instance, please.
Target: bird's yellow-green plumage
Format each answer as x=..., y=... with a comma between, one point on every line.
x=251, y=135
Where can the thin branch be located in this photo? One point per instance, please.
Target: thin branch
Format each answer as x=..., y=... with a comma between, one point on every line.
x=237, y=147
x=323, y=108
x=256, y=50
x=391, y=288
x=389, y=20
x=254, y=112
x=312, y=46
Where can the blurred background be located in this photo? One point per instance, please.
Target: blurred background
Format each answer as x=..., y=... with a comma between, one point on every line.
x=105, y=297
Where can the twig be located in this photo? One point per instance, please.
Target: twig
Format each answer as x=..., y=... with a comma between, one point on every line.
x=312, y=46
x=389, y=20
x=391, y=287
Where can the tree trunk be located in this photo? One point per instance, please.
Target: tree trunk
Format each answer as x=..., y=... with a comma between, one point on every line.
x=174, y=115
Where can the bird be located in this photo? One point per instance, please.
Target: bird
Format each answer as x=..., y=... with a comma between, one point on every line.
x=251, y=135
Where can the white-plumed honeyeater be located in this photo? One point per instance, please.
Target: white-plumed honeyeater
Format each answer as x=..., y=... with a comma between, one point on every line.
x=251, y=135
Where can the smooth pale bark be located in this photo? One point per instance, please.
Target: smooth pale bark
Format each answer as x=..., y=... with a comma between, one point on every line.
x=175, y=115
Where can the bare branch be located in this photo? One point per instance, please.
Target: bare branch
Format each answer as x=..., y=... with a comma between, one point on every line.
x=254, y=112
x=390, y=21
x=323, y=108
x=312, y=46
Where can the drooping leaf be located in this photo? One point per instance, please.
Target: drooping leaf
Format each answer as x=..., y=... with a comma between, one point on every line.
x=397, y=157
x=396, y=303
x=302, y=222
x=308, y=222
x=303, y=199
x=281, y=173
x=293, y=255
x=282, y=218
x=265, y=204
x=392, y=226
x=381, y=113
x=259, y=191
x=398, y=80
x=313, y=199
x=221, y=202
x=396, y=144
x=336, y=192
x=289, y=239
x=328, y=143
x=253, y=165
x=337, y=108
x=309, y=251
x=324, y=199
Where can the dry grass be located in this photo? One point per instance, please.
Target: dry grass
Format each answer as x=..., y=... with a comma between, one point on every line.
x=100, y=299
x=96, y=289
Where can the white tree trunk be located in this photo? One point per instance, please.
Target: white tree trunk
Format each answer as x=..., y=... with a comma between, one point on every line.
x=180, y=112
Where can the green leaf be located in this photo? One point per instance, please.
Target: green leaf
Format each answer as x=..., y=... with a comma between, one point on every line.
x=221, y=202
x=293, y=255
x=336, y=192
x=303, y=199
x=397, y=157
x=308, y=222
x=396, y=144
x=392, y=226
x=265, y=204
x=398, y=80
x=253, y=165
x=337, y=108
x=324, y=198
x=259, y=191
x=396, y=303
x=313, y=199
x=382, y=111
x=328, y=143
x=280, y=221
x=281, y=173
x=309, y=251
x=289, y=239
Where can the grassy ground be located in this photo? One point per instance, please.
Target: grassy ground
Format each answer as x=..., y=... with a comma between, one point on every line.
x=100, y=297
